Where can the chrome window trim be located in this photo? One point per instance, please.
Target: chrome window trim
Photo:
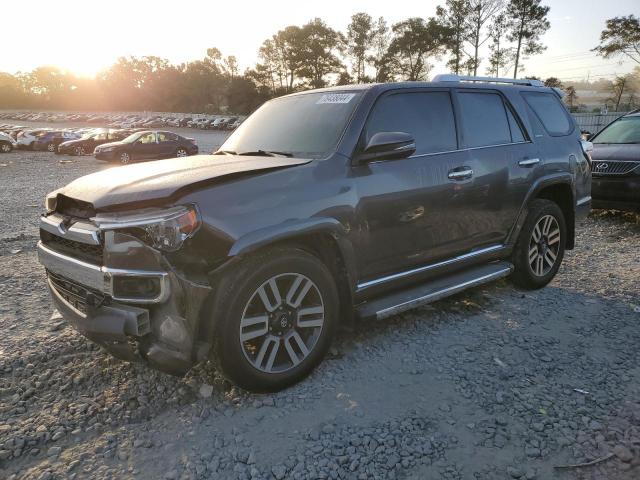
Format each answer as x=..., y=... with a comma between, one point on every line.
x=467, y=149
x=96, y=277
x=425, y=268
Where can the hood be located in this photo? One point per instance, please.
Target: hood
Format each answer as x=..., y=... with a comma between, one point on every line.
x=615, y=152
x=145, y=182
x=110, y=144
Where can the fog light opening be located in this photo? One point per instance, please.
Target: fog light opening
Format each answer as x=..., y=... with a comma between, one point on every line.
x=136, y=287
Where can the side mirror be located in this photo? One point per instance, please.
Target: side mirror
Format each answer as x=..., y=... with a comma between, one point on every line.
x=388, y=146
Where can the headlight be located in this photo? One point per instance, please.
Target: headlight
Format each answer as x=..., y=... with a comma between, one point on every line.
x=165, y=229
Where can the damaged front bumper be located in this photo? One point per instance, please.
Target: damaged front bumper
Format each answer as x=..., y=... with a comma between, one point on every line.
x=95, y=281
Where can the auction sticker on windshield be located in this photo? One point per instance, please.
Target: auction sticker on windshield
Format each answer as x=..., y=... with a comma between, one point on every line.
x=336, y=98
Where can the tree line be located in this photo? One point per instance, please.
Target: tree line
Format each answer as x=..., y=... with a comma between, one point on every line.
x=310, y=56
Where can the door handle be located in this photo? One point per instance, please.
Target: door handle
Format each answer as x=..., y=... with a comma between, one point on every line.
x=461, y=173
x=528, y=162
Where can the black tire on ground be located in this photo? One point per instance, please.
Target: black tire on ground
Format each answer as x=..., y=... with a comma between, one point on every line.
x=5, y=147
x=539, y=250
x=236, y=292
x=181, y=152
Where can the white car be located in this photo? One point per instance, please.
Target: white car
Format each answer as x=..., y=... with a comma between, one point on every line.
x=27, y=138
x=7, y=143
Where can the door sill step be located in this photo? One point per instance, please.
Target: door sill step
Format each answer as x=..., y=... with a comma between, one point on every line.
x=422, y=294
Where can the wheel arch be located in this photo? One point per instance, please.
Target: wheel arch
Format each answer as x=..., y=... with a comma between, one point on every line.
x=324, y=238
x=558, y=188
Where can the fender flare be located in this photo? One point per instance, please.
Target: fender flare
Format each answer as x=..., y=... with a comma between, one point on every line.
x=559, y=178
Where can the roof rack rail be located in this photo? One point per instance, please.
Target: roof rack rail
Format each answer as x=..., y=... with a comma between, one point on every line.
x=463, y=78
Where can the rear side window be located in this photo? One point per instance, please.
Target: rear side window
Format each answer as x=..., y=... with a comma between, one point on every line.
x=428, y=116
x=484, y=119
x=551, y=113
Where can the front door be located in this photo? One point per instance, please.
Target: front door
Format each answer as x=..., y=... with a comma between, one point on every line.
x=146, y=146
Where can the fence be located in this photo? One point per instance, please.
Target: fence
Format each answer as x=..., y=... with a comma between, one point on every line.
x=594, y=122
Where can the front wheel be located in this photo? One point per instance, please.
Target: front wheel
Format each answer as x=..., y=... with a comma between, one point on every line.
x=79, y=150
x=51, y=147
x=275, y=317
x=540, y=247
x=125, y=158
x=181, y=152
x=5, y=147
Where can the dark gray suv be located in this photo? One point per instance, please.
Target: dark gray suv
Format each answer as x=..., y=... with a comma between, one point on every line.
x=323, y=206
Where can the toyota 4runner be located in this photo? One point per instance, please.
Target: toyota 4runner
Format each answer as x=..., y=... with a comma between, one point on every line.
x=355, y=202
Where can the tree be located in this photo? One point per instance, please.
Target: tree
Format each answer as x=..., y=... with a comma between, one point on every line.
x=527, y=22
x=553, y=82
x=571, y=97
x=501, y=55
x=317, y=51
x=381, y=41
x=454, y=18
x=617, y=90
x=480, y=12
x=620, y=37
x=360, y=35
x=415, y=41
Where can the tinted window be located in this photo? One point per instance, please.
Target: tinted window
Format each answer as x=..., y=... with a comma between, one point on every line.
x=516, y=131
x=148, y=138
x=551, y=113
x=427, y=116
x=484, y=119
x=166, y=137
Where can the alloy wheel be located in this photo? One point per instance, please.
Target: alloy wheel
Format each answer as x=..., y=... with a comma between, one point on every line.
x=124, y=158
x=51, y=147
x=6, y=148
x=181, y=152
x=544, y=245
x=79, y=150
x=278, y=332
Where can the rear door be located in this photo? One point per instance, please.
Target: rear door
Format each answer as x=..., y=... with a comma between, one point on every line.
x=167, y=143
x=504, y=162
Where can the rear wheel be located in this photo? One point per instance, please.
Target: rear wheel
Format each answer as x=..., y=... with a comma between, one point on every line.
x=181, y=152
x=5, y=147
x=540, y=247
x=51, y=147
x=276, y=314
x=125, y=158
x=79, y=150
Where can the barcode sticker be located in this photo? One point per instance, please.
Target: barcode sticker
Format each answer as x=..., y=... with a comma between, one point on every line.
x=336, y=98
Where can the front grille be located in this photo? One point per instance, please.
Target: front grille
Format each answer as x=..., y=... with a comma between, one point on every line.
x=76, y=295
x=613, y=167
x=82, y=251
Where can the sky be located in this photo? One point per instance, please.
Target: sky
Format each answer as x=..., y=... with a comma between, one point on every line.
x=85, y=36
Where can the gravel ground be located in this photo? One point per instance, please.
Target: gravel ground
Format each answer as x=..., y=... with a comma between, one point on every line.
x=494, y=383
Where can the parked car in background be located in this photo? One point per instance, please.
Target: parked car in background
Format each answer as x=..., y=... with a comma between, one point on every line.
x=27, y=138
x=386, y=197
x=233, y=125
x=616, y=164
x=50, y=140
x=147, y=145
x=87, y=144
x=7, y=143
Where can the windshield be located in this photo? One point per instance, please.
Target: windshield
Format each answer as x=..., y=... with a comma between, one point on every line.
x=624, y=130
x=307, y=125
x=132, y=138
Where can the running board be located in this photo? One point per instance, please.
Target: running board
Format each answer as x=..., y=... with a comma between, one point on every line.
x=398, y=302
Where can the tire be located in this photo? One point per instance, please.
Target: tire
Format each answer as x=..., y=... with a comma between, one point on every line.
x=5, y=147
x=540, y=247
x=51, y=147
x=247, y=331
x=124, y=158
x=181, y=152
x=79, y=150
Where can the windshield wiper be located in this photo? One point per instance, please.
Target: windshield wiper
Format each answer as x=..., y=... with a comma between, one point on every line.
x=267, y=153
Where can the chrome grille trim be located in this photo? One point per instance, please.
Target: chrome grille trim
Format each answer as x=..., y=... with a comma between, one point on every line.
x=613, y=167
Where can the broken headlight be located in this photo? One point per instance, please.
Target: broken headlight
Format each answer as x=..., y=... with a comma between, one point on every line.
x=164, y=229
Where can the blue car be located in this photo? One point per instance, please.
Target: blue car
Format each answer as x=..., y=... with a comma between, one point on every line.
x=49, y=141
